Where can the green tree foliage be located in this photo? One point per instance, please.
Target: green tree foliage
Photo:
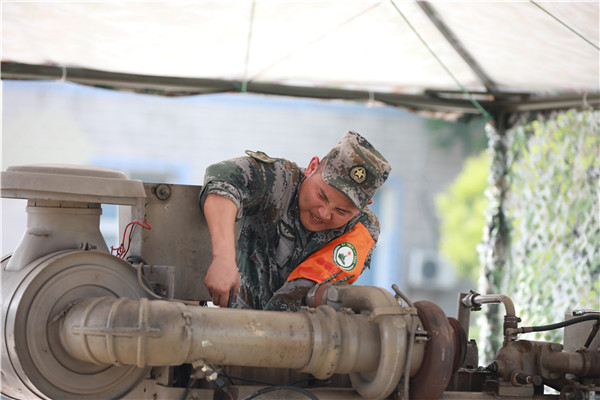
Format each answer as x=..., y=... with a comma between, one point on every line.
x=461, y=212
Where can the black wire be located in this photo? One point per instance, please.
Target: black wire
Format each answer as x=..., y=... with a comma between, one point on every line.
x=563, y=323
x=237, y=378
x=188, y=387
x=282, y=387
x=318, y=382
x=227, y=376
x=312, y=383
x=308, y=380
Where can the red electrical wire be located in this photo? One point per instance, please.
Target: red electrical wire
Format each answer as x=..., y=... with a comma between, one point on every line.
x=122, y=250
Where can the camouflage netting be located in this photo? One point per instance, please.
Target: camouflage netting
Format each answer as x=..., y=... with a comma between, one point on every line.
x=542, y=241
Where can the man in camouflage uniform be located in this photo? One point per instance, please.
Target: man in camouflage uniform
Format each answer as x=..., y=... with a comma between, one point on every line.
x=298, y=226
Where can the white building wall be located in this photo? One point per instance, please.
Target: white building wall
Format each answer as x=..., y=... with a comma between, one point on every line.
x=174, y=139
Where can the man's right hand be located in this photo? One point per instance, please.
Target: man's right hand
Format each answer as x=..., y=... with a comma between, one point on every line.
x=222, y=275
x=222, y=278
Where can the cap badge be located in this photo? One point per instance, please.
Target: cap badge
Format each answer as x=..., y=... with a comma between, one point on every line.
x=358, y=174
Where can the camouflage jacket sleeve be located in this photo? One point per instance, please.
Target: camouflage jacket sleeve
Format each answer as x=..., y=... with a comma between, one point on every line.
x=290, y=297
x=240, y=180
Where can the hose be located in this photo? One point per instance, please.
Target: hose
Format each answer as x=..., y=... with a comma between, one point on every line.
x=592, y=334
x=558, y=325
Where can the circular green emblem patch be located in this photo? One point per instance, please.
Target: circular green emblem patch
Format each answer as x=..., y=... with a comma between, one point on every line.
x=344, y=256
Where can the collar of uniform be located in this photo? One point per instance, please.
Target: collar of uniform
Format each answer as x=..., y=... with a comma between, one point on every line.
x=294, y=215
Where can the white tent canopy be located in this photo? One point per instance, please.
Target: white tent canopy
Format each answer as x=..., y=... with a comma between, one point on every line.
x=511, y=56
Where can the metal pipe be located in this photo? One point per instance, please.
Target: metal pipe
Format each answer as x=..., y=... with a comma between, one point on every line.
x=393, y=335
x=511, y=321
x=110, y=331
x=412, y=332
x=54, y=226
x=393, y=328
x=476, y=300
x=463, y=314
x=583, y=363
x=320, y=341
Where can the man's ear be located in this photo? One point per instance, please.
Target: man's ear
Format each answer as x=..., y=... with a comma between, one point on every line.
x=312, y=166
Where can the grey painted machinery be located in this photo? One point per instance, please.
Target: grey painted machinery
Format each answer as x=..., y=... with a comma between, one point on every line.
x=81, y=323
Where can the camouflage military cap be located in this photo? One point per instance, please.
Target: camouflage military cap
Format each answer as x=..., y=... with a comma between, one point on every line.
x=355, y=168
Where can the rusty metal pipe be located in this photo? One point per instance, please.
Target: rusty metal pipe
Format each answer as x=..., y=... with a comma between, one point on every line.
x=583, y=363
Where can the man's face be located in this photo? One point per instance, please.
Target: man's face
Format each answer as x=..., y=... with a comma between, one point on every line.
x=322, y=207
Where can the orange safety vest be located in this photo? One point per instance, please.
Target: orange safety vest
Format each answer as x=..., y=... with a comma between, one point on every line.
x=347, y=254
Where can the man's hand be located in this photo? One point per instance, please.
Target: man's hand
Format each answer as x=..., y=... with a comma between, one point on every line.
x=222, y=275
x=222, y=278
